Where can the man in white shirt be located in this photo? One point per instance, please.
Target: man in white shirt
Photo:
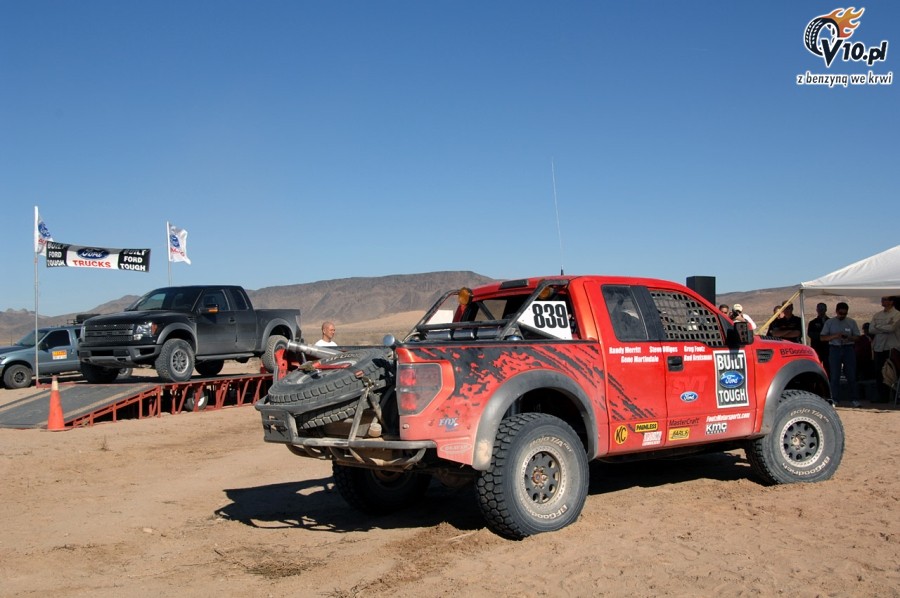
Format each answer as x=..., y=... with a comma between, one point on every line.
x=740, y=316
x=327, y=339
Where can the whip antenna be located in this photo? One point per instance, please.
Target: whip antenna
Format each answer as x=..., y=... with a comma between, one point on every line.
x=556, y=206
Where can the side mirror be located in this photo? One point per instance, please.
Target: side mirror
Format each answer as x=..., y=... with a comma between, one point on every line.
x=739, y=335
x=389, y=341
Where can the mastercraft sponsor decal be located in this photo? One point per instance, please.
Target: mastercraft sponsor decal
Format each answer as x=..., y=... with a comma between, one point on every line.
x=731, y=379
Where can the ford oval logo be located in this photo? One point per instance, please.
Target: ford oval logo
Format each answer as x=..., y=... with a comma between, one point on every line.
x=173, y=241
x=689, y=396
x=731, y=379
x=92, y=253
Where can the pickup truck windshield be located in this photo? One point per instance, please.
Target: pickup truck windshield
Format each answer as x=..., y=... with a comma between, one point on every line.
x=176, y=299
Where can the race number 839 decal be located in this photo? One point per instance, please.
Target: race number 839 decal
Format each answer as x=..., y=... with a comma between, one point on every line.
x=548, y=317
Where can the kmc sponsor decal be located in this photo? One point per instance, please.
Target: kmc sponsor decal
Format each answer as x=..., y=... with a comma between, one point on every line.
x=719, y=428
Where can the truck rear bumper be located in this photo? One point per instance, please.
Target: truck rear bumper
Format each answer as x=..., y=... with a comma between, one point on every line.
x=279, y=426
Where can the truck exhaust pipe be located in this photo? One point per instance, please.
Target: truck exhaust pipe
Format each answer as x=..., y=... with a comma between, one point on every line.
x=317, y=352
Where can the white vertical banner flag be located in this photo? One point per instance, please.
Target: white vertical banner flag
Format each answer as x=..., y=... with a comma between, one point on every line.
x=178, y=244
x=41, y=234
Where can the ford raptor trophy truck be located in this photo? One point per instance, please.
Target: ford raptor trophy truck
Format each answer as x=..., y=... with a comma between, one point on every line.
x=178, y=329
x=517, y=385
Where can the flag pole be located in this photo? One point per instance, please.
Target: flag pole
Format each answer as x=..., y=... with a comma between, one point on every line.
x=37, y=370
x=168, y=257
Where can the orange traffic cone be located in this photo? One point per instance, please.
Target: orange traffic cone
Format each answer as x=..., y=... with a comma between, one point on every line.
x=55, y=420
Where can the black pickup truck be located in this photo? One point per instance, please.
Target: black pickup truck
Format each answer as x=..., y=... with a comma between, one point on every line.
x=178, y=329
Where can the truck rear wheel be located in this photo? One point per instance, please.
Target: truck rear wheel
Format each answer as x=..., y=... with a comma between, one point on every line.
x=95, y=374
x=210, y=368
x=17, y=376
x=176, y=361
x=806, y=443
x=378, y=492
x=538, y=477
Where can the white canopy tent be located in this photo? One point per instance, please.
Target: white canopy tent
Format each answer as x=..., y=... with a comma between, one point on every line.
x=871, y=277
x=874, y=276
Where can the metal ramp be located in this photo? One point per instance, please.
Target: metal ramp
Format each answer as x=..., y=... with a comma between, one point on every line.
x=88, y=404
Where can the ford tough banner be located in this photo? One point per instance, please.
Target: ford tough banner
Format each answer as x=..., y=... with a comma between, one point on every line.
x=76, y=256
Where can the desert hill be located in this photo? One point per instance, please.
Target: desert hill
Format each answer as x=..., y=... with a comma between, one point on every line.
x=366, y=308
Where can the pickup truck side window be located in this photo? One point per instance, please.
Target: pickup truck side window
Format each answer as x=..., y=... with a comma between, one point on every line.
x=685, y=319
x=215, y=298
x=238, y=299
x=57, y=338
x=624, y=314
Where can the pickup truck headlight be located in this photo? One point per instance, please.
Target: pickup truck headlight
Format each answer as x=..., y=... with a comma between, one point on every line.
x=145, y=330
x=417, y=385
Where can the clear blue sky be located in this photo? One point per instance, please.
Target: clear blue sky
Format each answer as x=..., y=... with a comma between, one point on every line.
x=299, y=141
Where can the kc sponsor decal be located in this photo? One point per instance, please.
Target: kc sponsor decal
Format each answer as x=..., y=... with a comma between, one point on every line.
x=731, y=377
x=621, y=434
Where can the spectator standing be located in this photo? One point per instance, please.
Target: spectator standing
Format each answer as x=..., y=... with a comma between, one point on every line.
x=865, y=362
x=841, y=333
x=789, y=327
x=814, y=333
x=740, y=316
x=327, y=339
x=724, y=309
x=885, y=326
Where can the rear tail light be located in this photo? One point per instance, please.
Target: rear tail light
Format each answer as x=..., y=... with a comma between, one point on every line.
x=417, y=385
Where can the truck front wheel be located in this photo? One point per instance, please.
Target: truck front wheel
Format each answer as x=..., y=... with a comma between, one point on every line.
x=538, y=477
x=273, y=343
x=17, y=376
x=806, y=443
x=378, y=492
x=176, y=361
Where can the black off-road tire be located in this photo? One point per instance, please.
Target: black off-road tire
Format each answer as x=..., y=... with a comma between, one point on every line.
x=538, y=477
x=18, y=376
x=273, y=343
x=209, y=368
x=378, y=492
x=175, y=362
x=95, y=374
x=806, y=443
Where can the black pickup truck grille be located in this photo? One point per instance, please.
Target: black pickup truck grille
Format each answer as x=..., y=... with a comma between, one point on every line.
x=108, y=333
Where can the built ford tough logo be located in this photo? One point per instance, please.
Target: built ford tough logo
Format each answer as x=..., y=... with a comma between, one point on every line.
x=731, y=376
x=92, y=253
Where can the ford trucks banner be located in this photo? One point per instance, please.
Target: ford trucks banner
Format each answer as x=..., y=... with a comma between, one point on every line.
x=76, y=256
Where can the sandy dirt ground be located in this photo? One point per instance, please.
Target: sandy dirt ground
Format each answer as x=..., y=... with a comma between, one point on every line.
x=198, y=505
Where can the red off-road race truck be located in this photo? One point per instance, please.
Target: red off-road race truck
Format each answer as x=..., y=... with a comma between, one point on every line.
x=517, y=385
